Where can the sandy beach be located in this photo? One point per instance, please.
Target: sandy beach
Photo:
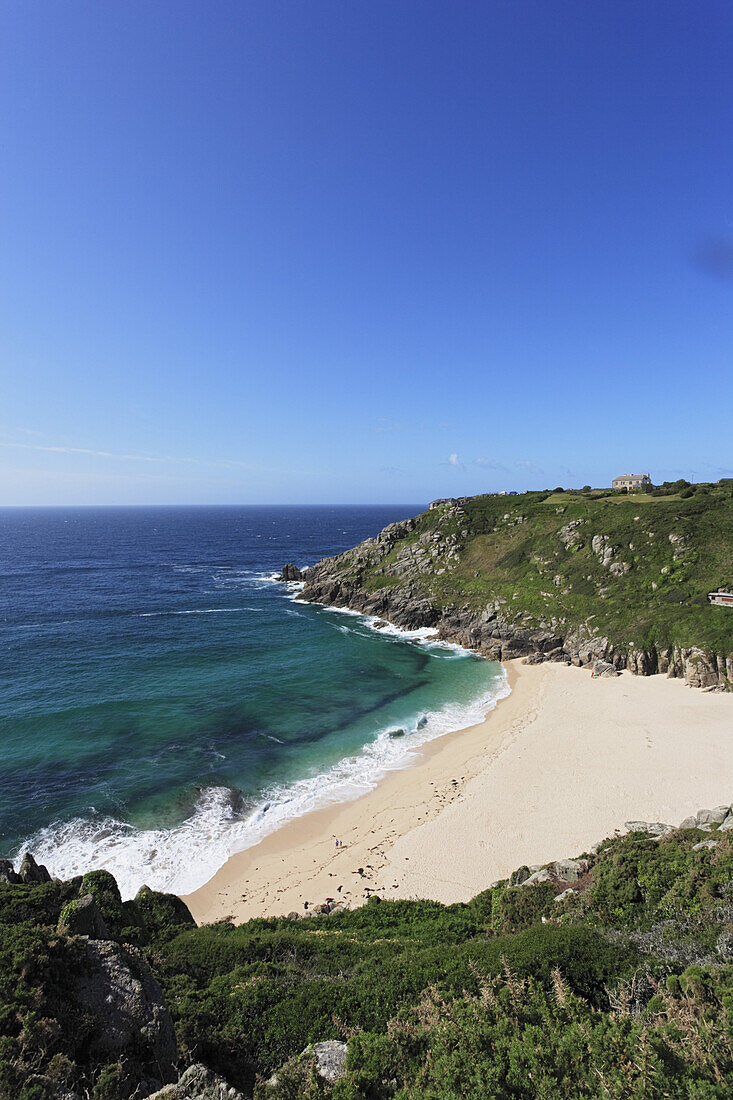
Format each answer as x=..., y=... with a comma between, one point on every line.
x=559, y=764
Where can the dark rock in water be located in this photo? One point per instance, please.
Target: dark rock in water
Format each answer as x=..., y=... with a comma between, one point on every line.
x=396, y=733
x=422, y=723
x=82, y=917
x=30, y=871
x=291, y=573
x=127, y=1014
x=198, y=1083
x=8, y=875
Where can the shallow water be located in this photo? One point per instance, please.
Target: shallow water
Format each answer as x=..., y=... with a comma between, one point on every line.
x=165, y=702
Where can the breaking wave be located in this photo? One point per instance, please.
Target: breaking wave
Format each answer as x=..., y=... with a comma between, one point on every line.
x=185, y=857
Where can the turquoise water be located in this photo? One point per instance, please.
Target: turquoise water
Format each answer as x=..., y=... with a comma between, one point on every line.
x=165, y=702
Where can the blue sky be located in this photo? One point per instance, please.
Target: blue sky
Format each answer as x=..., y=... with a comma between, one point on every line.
x=283, y=252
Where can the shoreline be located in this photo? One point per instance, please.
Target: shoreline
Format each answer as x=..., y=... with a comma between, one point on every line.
x=241, y=888
x=557, y=765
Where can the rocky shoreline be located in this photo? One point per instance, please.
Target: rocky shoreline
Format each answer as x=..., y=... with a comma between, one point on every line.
x=338, y=582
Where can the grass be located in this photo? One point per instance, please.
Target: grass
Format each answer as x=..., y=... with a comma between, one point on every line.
x=653, y=590
x=510, y=995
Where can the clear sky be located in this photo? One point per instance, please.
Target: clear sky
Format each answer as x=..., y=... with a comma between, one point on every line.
x=362, y=250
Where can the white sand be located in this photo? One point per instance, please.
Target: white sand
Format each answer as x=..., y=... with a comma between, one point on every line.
x=562, y=762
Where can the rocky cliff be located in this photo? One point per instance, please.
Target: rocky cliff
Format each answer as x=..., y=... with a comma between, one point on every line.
x=594, y=580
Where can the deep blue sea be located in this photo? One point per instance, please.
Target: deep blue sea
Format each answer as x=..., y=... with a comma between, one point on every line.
x=165, y=702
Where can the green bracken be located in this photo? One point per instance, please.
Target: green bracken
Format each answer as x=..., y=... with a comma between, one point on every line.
x=623, y=989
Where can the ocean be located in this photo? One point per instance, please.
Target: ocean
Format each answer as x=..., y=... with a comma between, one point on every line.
x=165, y=702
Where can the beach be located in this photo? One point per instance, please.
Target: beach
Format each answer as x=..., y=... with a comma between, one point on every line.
x=558, y=765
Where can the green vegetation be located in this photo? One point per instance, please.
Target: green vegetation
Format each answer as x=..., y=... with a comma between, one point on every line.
x=633, y=567
x=624, y=988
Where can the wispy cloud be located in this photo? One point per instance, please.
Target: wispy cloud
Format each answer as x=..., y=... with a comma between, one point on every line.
x=455, y=462
x=122, y=457
x=491, y=464
x=528, y=465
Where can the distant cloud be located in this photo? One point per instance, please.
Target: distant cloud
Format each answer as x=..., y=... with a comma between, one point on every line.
x=454, y=460
x=83, y=451
x=222, y=464
x=491, y=464
x=528, y=465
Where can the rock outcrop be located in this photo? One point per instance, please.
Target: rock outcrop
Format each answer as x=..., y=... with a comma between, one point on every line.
x=291, y=572
x=29, y=872
x=330, y=1059
x=8, y=875
x=198, y=1083
x=404, y=560
x=81, y=917
x=32, y=872
x=129, y=1017
x=563, y=872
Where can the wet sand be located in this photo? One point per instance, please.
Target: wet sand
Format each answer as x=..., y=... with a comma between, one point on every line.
x=560, y=763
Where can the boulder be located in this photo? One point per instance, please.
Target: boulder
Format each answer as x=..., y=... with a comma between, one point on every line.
x=703, y=844
x=700, y=669
x=543, y=875
x=654, y=828
x=570, y=870
x=604, y=668
x=565, y=894
x=198, y=1083
x=82, y=917
x=124, y=1001
x=519, y=876
x=689, y=823
x=330, y=1059
x=726, y=825
x=712, y=817
x=291, y=573
x=8, y=875
x=32, y=872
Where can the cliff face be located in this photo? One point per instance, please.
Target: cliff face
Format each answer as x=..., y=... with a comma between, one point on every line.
x=605, y=581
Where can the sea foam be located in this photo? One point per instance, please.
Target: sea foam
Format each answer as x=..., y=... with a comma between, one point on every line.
x=183, y=858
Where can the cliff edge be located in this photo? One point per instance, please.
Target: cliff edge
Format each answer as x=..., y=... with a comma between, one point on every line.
x=594, y=578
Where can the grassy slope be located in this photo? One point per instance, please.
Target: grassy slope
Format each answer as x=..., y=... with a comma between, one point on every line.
x=626, y=989
x=513, y=552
